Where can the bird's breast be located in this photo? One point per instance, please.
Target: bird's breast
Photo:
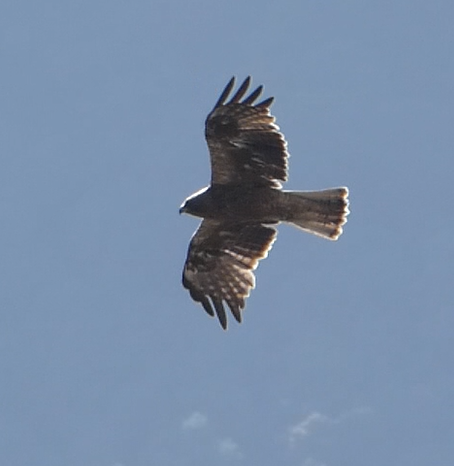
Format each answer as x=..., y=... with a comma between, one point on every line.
x=244, y=204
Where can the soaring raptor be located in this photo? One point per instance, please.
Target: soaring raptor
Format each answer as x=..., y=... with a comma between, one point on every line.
x=245, y=201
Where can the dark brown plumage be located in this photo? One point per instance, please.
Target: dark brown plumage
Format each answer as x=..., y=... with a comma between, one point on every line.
x=244, y=203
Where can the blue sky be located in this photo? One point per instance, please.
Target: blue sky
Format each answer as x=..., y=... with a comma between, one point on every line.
x=345, y=353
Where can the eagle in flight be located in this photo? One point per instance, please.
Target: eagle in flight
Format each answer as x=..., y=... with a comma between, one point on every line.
x=245, y=202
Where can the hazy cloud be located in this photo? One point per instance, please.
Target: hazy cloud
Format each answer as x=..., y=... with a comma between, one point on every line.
x=228, y=447
x=314, y=419
x=196, y=420
x=306, y=426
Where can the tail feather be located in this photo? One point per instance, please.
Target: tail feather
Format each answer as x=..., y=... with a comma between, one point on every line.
x=321, y=213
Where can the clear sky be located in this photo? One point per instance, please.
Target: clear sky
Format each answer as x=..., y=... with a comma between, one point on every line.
x=345, y=355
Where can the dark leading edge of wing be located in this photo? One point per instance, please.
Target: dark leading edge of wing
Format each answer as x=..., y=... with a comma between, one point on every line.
x=244, y=142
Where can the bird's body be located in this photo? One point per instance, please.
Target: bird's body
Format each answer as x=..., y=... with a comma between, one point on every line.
x=270, y=206
x=235, y=203
x=244, y=202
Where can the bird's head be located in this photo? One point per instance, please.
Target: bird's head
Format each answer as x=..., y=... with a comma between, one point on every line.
x=183, y=208
x=195, y=204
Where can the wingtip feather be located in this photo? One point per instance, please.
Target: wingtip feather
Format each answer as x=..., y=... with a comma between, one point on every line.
x=266, y=103
x=226, y=92
x=207, y=306
x=241, y=91
x=220, y=312
x=253, y=96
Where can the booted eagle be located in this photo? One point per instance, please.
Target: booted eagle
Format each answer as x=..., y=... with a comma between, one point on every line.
x=245, y=201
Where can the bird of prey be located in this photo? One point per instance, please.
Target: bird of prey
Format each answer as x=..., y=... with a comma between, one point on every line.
x=245, y=202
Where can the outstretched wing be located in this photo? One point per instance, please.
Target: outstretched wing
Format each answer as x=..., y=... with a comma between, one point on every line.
x=220, y=263
x=244, y=142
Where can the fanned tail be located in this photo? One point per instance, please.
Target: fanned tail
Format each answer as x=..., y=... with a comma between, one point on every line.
x=321, y=213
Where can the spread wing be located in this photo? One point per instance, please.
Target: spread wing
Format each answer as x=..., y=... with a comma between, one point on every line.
x=220, y=263
x=244, y=142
